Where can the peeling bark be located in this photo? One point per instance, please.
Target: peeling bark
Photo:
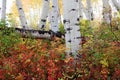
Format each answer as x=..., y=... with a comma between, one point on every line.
x=21, y=14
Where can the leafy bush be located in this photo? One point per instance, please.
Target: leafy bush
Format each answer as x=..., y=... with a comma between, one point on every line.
x=39, y=59
x=29, y=64
x=100, y=53
x=8, y=38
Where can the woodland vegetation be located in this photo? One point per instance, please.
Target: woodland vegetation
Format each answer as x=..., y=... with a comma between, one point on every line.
x=76, y=46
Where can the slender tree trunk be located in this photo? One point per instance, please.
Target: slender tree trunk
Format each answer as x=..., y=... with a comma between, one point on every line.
x=71, y=23
x=66, y=22
x=44, y=14
x=106, y=11
x=3, y=13
x=21, y=14
x=0, y=11
x=75, y=28
x=117, y=5
x=80, y=9
x=89, y=10
x=54, y=16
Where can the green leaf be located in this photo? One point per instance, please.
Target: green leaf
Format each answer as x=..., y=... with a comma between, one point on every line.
x=63, y=56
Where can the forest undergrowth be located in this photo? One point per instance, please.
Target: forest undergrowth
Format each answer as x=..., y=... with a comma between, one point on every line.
x=39, y=59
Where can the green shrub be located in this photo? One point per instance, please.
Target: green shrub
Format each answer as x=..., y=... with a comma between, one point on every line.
x=8, y=38
x=61, y=28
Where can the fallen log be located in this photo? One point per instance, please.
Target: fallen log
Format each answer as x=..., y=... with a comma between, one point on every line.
x=37, y=34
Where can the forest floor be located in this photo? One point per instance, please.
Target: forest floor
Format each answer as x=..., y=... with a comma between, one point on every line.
x=42, y=59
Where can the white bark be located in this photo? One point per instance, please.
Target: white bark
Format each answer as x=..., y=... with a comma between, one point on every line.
x=116, y=4
x=0, y=12
x=3, y=14
x=74, y=23
x=44, y=14
x=106, y=11
x=66, y=22
x=35, y=33
x=71, y=23
x=21, y=14
x=89, y=10
x=54, y=16
x=81, y=9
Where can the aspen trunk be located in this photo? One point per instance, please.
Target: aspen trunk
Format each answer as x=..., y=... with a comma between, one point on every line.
x=54, y=16
x=3, y=10
x=44, y=14
x=72, y=29
x=81, y=9
x=117, y=5
x=75, y=28
x=21, y=14
x=106, y=11
x=66, y=22
x=89, y=10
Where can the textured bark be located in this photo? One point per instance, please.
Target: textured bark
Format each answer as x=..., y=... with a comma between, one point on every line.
x=75, y=29
x=54, y=16
x=71, y=23
x=35, y=33
x=106, y=11
x=89, y=10
x=3, y=12
x=116, y=4
x=21, y=14
x=66, y=22
x=44, y=14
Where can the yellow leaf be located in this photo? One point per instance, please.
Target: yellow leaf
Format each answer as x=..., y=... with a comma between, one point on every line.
x=27, y=61
x=68, y=59
x=20, y=77
x=104, y=63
